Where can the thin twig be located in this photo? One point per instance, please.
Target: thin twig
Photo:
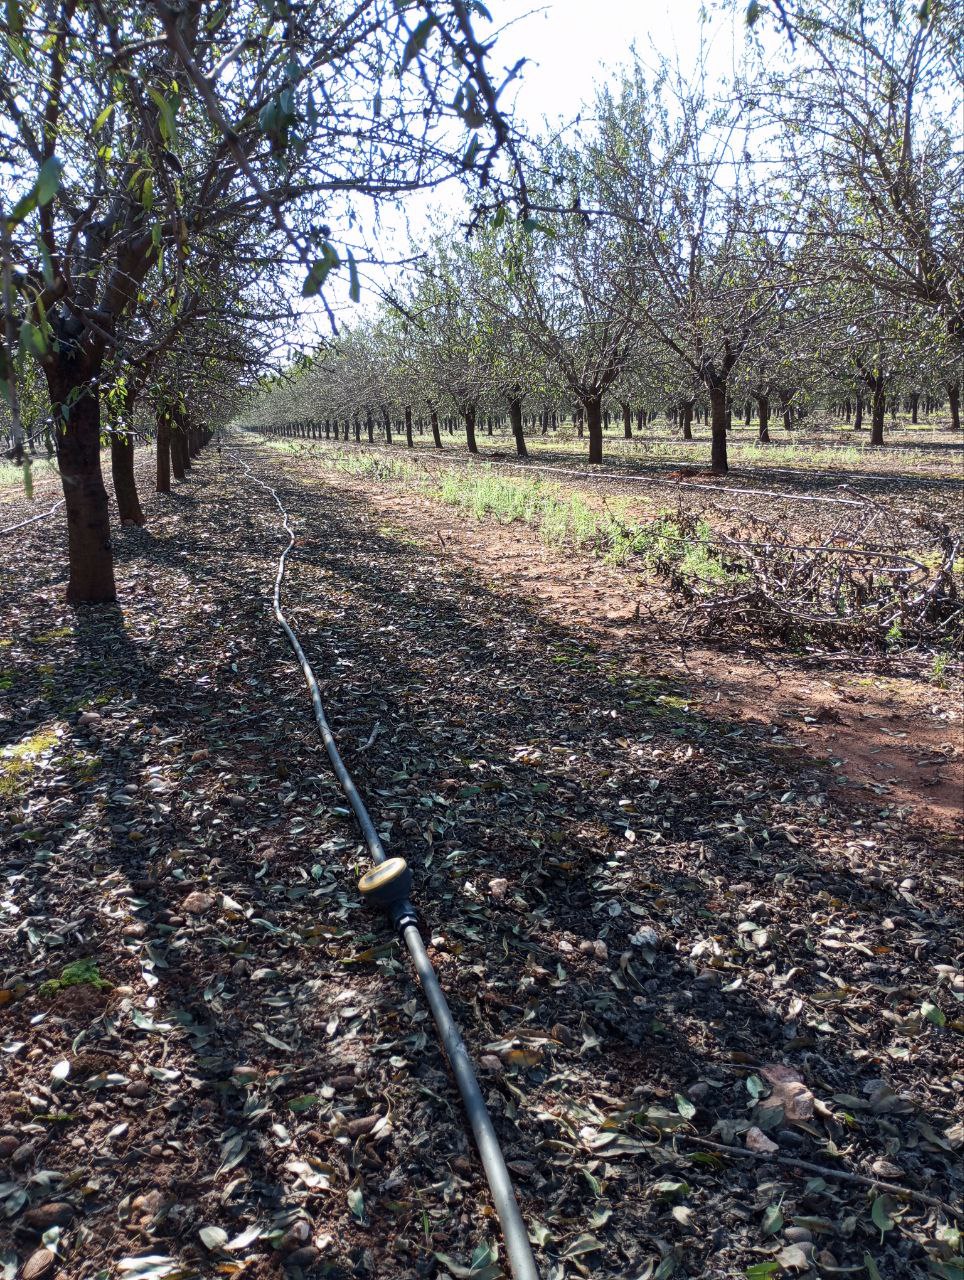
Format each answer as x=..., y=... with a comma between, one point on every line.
x=841, y=1175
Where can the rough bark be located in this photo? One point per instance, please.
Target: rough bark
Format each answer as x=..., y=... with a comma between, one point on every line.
x=594, y=424
x=687, y=419
x=470, y=430
x=408, y=427
x=436, y=434
x=163, y=462
x=718, y=425
x=627, y=421
x=122, y=474
x=954, y=402
x=76, y=410
x=763, y=408
x=515, y=418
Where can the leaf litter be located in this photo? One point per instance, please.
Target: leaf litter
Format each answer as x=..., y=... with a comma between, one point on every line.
x=692, y=939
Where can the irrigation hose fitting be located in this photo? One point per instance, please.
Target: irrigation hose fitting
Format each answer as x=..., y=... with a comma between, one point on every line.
x=387, y=885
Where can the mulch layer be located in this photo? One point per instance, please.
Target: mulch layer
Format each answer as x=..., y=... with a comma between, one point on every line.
x=716, y=1005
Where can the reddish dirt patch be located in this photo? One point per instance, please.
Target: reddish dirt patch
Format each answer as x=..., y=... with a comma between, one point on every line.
x=899, y=737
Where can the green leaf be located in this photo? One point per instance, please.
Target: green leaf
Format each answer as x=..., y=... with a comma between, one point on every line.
x=873, y=1271
x=320, y=270
x=354, y=287
x=356, y=1203
x=772, y=1220
x=881, y=1214
x=104, y=116
x=14, y=21
x=761, y=1270
x=304, y=1102
x=416, y=41
x=752, y=12
x=213, y=1237
x=48, y=180
x=933, y=1014
x=685, y=1107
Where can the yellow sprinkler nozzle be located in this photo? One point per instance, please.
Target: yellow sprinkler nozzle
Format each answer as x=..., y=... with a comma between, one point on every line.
x=388, y=882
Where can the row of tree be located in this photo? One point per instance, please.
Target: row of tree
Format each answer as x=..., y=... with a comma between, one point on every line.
x=169, y=171
x=790, y=239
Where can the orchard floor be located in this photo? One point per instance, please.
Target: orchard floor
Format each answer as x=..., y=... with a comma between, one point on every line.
x=665, y=929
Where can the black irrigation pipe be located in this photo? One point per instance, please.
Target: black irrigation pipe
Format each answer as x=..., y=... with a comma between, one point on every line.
x=402, y=913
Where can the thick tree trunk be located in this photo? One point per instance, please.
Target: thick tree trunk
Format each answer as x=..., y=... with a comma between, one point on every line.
x=370, y=428
x=386, y=419
x=122, y=473
x=515, y=418
x=177, y=457
x=470, y=430
x=76, y=411
x=763, y=407
x=914, y=406
x=594, y=424
x=859, y=414
x=786, y=408
x=408, y=427
x=627, y=421
x=436, y=434
x=718, y=411
x=163, y=481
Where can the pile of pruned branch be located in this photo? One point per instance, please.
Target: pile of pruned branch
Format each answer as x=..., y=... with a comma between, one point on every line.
x=881, y=578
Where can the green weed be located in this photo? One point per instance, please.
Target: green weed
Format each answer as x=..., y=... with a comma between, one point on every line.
x=78, y=973
x=21, y=759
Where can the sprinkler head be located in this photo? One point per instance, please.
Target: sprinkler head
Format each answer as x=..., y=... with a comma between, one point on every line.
x=387, y=883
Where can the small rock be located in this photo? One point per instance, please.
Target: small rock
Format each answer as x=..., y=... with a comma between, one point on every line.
x=237, y=801
x=600, y=949
x=134, y=929
x=89, y=717
x=586, y=947
x=8, y=1146
x=756, y=1140
x=707, y=978
x=304, y=1257
x=697, y=1091
x=148, y=1205
x=196, y=903
x=297, y=1234
x=798, y=1235
x=41, y=1264
x=138, y=1089
x=56, y=1214
x=560, y=1032
x=498, y=888
x=344, y=1084
x=491, y=1062
x=645, y=937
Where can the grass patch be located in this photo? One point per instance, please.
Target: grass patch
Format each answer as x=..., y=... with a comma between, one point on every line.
x=19, y=760
x=52, y=636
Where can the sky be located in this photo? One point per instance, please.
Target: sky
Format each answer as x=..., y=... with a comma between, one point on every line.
x=569, y=46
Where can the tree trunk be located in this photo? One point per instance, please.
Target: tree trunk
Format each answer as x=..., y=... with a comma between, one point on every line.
x=76, y=411
x=163, y=482
x=408, y=427
x=859, y=414
x=594, y=423
x=954, y=401
x=122, y=473
x=627, y=421
x=786, y=408
x=718, y=403
x=177, y=457
x=687, y=419
x=914, y=406
x=763, y=406
x=436, y=435
x=388, y=426
x=878, y=407
x=515, y=418
x=470, y=429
